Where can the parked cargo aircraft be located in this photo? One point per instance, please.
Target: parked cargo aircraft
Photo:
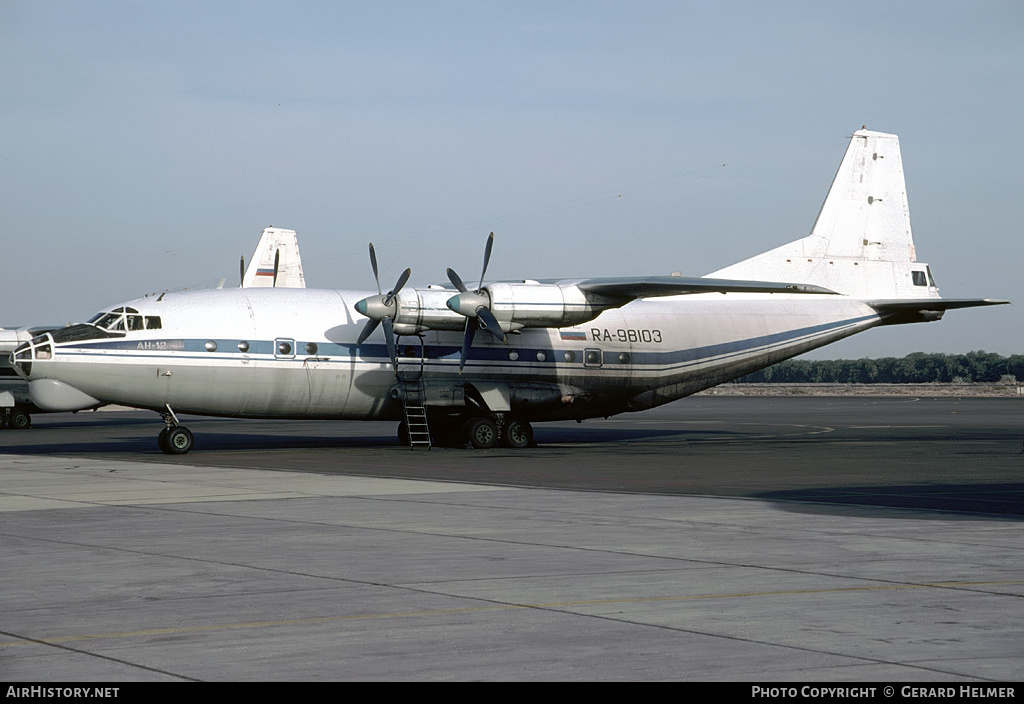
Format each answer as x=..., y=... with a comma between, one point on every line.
x=553, y=350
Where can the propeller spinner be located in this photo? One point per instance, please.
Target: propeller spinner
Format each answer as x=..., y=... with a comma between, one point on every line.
x=475, y=305
x=382, y=309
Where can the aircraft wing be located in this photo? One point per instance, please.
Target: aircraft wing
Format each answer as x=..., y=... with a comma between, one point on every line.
x=902, y=305
x=651, y=286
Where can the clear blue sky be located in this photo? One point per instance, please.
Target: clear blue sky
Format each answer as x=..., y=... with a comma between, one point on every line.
x=144, y=146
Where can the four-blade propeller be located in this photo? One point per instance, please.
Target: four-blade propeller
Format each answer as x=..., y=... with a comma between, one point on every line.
x=475, y=305
x=382, y=309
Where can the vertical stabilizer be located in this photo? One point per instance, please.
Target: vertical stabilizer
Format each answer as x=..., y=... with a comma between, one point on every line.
x=281, y=246
x=861, y=243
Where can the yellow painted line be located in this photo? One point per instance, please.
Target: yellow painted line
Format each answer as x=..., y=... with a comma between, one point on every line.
x=494, y=607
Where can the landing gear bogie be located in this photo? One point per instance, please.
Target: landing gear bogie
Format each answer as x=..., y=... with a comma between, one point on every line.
x=481, y=432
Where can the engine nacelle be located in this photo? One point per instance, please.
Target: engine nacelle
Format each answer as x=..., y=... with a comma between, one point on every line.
x=526, y=304
x=535, y=305
x=425, y=309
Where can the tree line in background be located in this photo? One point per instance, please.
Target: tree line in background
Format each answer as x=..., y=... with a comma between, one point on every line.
x=916, y=368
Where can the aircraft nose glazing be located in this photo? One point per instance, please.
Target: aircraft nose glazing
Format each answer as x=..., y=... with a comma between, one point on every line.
x=39, y=348
x=21, y=359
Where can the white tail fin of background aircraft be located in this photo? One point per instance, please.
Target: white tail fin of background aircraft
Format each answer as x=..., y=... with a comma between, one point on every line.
x=861, y=244
x=282, y=247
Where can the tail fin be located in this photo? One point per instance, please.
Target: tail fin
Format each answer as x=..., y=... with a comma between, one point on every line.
x=282, y=246
x=861, y=244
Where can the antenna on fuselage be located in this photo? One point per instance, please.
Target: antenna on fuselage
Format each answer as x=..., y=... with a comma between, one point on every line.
x=277, y=264
x=241, y=273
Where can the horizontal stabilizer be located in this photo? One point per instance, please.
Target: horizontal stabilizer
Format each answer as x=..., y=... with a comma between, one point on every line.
x=936, y=304
x=651, y=286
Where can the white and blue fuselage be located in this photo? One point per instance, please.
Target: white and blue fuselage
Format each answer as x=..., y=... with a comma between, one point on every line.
x=570, y=349
x=292, y=353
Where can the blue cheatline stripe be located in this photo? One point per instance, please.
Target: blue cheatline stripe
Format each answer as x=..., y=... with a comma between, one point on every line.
x=378, y=353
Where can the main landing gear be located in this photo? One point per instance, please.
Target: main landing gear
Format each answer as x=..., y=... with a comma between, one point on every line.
x=480, y=432
x=174, y=439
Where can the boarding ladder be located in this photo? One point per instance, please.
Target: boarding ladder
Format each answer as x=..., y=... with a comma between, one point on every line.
x=414, y=399
x=414, y=402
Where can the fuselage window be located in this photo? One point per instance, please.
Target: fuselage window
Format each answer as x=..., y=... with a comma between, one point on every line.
x=311, y=348
x=919, y=278
x=153, y=322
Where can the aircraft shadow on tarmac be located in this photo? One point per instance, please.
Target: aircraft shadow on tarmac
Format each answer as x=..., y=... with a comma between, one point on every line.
x=954, y=501
x=213, y=435
x=131, y=447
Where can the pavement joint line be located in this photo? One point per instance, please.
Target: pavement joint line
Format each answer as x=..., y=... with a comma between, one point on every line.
x=56, y=640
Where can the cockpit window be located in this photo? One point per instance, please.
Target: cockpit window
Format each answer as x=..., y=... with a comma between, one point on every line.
x=125, y=318
x=919, y=278
x=80, y=332
x=111, y=321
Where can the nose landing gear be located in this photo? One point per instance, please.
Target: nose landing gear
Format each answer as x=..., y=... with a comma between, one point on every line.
x=174, y=439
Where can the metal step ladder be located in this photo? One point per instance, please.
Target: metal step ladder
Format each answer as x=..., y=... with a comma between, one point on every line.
x=413, y=400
